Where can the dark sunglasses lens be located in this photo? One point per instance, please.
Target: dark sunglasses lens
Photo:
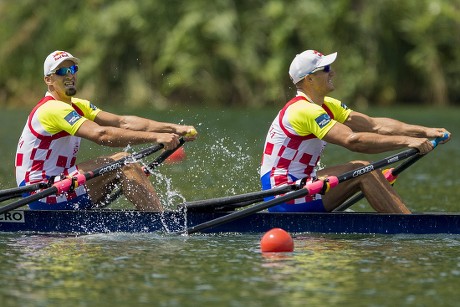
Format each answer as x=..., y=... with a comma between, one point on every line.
x=327, y=68
x=63, y=70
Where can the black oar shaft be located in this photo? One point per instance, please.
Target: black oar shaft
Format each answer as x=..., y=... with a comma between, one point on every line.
x=147, y=170
x=395, y=172
x=161, y=158
x=308, y=189
x=64, y=185
x=23, y=189
x=240, y=198
x=360, y=195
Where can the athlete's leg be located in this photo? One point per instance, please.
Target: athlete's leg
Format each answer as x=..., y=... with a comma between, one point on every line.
x=378, y=192
x=135, y=185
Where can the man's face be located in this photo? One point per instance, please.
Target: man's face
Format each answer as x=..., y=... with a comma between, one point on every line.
x=322, y=80
x=64, y=79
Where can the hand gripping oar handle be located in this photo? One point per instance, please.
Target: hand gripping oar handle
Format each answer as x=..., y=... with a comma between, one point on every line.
x=390, y=174
x=64, y=185
x=309, y=189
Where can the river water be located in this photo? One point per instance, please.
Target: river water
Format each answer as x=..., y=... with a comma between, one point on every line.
x=229, y=270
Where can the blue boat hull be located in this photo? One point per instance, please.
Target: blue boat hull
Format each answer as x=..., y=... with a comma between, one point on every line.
x=106, y=221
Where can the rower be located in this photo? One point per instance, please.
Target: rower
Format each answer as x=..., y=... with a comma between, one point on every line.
x=298, y=135
x=50, y=142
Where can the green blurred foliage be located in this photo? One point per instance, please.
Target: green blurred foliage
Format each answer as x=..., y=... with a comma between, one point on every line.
x=232, y=53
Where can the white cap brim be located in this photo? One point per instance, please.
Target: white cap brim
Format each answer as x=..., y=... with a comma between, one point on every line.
x=327, y=60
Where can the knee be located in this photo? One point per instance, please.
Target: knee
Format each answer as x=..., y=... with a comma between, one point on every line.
x=359, y=163
x=119, y=155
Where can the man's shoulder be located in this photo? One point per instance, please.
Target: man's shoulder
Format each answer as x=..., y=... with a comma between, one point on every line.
x=335, y=102
x=331, y=100
x=84, y=104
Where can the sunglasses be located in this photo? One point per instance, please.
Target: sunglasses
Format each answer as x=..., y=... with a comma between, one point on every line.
x=326, y=68
x=64, y=70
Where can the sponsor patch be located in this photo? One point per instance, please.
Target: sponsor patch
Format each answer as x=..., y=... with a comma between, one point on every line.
x=344, y=106
x=72, y=117
x=323, y=120
x=93, y=107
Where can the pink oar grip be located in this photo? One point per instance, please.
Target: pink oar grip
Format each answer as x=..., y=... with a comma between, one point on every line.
x=316, y=187
x=65, y=185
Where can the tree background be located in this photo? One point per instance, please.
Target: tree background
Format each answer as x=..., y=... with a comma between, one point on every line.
x=222, y=53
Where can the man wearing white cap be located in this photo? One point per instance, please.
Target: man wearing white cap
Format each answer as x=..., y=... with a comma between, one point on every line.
x=303, y=127
x=51, y=138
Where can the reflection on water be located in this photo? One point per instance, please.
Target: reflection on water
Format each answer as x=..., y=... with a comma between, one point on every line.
x=229, y=270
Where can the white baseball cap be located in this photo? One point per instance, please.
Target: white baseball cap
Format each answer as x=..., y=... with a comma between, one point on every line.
x=306, y=62
x=55, y=58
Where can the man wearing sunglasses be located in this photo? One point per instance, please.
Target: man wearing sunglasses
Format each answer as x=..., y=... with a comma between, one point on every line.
x=298, y=135
x=50, y=142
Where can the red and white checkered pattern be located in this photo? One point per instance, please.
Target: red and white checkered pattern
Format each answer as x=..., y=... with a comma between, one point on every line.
x=289, y=156
x=41, y=154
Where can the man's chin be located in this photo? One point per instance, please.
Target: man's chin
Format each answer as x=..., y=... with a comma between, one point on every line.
x=71, y=92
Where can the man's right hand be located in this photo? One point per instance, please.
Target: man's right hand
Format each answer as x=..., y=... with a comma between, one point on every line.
x=169, y=140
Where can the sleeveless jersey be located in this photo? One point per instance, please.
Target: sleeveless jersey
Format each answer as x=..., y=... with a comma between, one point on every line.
x=48, y=147
x=294, y=144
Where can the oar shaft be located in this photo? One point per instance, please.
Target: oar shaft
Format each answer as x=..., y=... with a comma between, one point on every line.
x=161, y=158
x=309, y=189
x=80, y=179
x=394, y=173
x=312, y=188
x=23, y=189
x=147, y=170
x=241, y=198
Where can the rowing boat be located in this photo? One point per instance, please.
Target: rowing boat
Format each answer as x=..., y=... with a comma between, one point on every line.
x=131, y=221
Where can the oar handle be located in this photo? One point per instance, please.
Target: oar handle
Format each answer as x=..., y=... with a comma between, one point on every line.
x=438, y=140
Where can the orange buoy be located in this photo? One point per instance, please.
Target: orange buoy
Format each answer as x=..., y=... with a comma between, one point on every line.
x=176, y=156
x=276, y=240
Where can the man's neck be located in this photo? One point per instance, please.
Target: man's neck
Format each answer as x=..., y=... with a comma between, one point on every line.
x=312, y=97
x=63, y=98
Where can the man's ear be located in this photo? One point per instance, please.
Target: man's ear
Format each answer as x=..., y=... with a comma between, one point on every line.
x=47, y=80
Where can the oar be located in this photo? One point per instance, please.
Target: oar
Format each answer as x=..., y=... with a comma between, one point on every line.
x=242, y=199
x=23, y=189
x=309, y=189
x=147, y=170
x=17, y=192
x=390, y=175
x=161, y=158
x=64, y=185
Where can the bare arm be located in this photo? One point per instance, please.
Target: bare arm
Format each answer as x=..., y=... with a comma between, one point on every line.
x=117, y=137
x=360, y=122
x=136, y=123
x=368, y=142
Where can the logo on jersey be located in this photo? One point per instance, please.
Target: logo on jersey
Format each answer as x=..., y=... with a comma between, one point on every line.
x=343, y=106
x=322, y=120
x=72, y=117
x=93, y=107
